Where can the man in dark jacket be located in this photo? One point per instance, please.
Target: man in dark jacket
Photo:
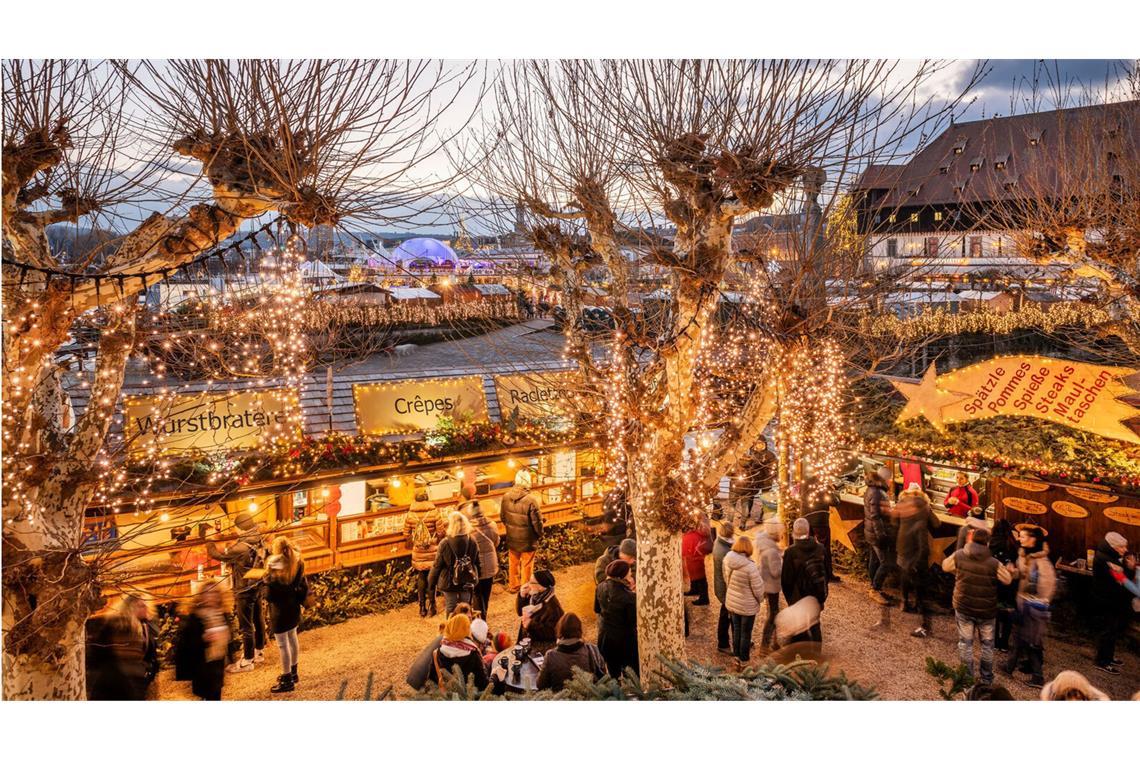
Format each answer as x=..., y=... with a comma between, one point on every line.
x=1112, y=602
x=522, y=520
x=722, y=545
x=626, y=550
x=245, y=553
x=804, y=573
x=977, y=575
x=880, y=548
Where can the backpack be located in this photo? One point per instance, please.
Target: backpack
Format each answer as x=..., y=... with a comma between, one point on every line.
x=421, y=536
x=814, y=577
x=463, y=573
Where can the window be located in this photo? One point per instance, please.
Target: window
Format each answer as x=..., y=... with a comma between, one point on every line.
x=1035, y=137
x=975, y=247
x=1000, y=161
x=960, y=146
x=893, y=247
x=976, y=163
x=891, y=219
x=914, y=217
x=938, y=216
x=944, y=169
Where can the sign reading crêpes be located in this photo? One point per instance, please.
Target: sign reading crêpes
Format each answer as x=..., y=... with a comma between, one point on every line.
x=1083, y=396
x=208, y=421
x=537, y=394
x=412, y=405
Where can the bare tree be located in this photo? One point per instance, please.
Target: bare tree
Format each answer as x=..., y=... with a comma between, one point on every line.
x=669, y=156
x=314, y=142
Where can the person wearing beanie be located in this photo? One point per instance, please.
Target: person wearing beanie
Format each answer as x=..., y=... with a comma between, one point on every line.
x=695, y=546
x=626, y=550
x=962, y=497
x=974, y=520
x=1112, y=602
x=804, y=573
x=1071, y=686
x=616, y=605
x=724, y=535
x=486, y=536
x=570, y=652
x=978, y=576
x=424, y=528
x=1037, y=582
x=540, y=611
x=522, y=519
x=457, y=650
x=876, y=532
x=481, y=634
x=916, y=521
x=245, y=553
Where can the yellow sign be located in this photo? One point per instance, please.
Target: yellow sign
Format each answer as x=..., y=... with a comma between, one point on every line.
x=208, y=421
x=537, y=394
x=413, y=405
x=1126, y=515
x=1027, y=506
x=1079, y=395
x=1069, y=509
x=1090, y=494
x=1026, y=485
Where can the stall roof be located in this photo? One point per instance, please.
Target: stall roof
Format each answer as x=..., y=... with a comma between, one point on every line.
x=491, y=289
x=407, y=294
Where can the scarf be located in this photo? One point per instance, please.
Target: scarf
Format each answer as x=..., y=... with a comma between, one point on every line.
x=537, y=600
x=457, y=649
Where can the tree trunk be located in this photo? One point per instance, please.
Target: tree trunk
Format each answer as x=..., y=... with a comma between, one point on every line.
x=660, y=604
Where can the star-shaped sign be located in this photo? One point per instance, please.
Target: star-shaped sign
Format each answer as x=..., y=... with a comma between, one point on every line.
x=841, y=529
x=926, y=399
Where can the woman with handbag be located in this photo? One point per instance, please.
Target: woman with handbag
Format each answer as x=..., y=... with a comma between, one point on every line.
x=286, y=591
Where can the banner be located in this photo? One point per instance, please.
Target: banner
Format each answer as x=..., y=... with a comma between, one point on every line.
x=208, y=421
x=537, y=394
x=1079, y=395
x=410, y=406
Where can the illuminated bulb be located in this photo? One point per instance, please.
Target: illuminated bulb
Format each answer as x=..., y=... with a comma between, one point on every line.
x=164, y=517
x=252, y=505
x=395, y=482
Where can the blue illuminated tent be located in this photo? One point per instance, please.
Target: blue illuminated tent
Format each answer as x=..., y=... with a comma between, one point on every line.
x=425, y=251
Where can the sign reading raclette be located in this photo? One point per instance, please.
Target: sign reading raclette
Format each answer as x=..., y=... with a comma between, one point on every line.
x=537, y=394
x=410, y=406
x=208, y=421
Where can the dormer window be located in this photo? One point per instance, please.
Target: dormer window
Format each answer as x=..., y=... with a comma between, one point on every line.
x=944, y=169
x=915, y=190
x=1035, y=136
x=1010, y=182
x=960, y=188
x=959, y=146
x=976, y=163
x=1001, y=161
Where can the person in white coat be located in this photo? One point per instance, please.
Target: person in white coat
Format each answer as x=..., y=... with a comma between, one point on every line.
x=745, y=594
x=770, y=560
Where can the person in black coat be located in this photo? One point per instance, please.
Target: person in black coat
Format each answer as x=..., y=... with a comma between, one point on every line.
x=804, y=573
x=616, y=605
x=1112, y=602
x=820, y=521
x=200, y=657
x=457, y=650
x=116, y=653
x=540, y=611
x=457, y=551
x=571, y=652
x=286, y=591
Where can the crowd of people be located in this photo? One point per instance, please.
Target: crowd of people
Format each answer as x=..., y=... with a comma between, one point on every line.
x=1004, y=586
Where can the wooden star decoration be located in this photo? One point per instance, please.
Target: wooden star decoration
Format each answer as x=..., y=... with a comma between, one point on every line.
x=938, y=547
x=926, y=399
x=841, y=529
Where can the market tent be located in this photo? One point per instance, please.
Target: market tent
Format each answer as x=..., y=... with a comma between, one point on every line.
x=426, y=250
x=318, y=271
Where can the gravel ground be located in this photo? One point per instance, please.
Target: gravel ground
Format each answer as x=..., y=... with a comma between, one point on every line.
x=891, y=660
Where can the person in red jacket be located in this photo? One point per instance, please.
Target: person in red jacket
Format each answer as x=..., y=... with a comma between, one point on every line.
x=962, y=497
x=696, y=544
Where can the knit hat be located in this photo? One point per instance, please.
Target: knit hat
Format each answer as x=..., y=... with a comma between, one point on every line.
x=245, y=522
x=457, y=628
x=480, y=630
x=628, y=547
x=545, y=578
x=502, y=641
x=801, y=528
x=1071, y=685
x=1116, y=541
x=619, y=569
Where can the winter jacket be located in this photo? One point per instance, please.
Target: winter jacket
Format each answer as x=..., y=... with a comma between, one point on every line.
x=423, y=557
x=745, y=586
x=116, y=660
x=916, y=520
x=559, y=663
x=770, y=561
x=876, y=504
x=542, y=623
x=421, y=667
x=967, y=497
x=972, y=523
x=1109, y=597
x=721, y=547
x=694, y=548
x=600, y=565
x=978, y=574
x=285, y=600
x=450, y=550
x=804, y=572
x=193, y=661
x=241, y=556
x=1036, y=578
x=450, y=656
x=616, y=605
x=522, y=519
x=486, y=537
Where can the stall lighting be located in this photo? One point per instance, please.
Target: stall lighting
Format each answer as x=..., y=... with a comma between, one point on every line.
x=164, y=517
x=252, y=505
x=395, y=482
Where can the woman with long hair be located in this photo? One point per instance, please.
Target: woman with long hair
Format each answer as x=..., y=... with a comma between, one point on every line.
x=455, y=571
x=286, y=590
